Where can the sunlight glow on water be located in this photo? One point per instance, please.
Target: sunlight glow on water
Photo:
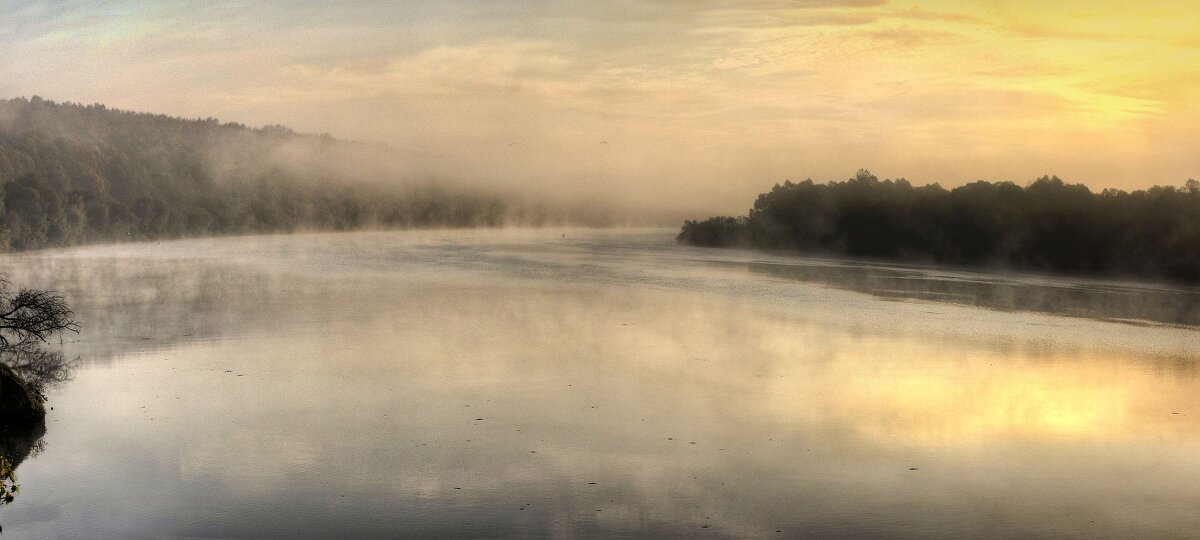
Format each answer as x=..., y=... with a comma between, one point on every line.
x=581, y=383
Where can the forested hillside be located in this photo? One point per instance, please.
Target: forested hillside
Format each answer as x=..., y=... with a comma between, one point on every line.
x=72, y=174
x=1047, y=226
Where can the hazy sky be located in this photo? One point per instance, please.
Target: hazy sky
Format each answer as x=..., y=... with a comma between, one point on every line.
x=700, y=103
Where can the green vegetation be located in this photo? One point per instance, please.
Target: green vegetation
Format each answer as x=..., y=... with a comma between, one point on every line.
x=1046, y=226
x=72, y=174
x=8, y=481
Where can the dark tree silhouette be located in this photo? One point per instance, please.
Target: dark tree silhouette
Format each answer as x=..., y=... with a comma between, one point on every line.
x=1048, y=225
x=28, y=318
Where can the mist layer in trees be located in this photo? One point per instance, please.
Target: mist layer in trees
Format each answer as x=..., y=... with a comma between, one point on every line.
x=73, y=174
x=1046, y=226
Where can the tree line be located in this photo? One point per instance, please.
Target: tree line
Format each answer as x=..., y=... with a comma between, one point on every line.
x=1048, y=225
x=73, y=174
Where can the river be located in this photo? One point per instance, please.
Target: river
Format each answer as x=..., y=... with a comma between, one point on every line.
x=579, y=383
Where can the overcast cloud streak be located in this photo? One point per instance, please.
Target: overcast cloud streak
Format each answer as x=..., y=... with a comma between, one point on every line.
x=699, y=104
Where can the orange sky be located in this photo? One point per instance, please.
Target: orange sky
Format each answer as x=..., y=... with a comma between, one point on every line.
x=702, y=104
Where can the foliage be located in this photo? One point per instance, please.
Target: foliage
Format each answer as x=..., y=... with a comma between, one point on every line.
x=73, y=174
x=1048, y=225
x=8, y=481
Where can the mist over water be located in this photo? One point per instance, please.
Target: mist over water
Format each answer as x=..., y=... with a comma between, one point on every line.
x=585, y=383
x=377, y=269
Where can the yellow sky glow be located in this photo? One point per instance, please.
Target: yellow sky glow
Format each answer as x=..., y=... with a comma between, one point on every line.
x=703, y=104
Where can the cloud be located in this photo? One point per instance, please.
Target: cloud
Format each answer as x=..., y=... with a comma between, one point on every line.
x=1049, y=32
x=696, y=99
x=921, y=14
x=912, y=37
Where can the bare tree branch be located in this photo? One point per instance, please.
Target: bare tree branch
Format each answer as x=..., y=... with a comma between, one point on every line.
x=31, y=316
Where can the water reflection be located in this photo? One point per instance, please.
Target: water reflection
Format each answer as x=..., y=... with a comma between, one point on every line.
x=676, y=401
x=1127, y=303
x=18, y=440
x=25, y=374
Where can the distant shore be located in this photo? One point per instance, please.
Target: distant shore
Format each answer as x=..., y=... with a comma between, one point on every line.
x=1048, y=226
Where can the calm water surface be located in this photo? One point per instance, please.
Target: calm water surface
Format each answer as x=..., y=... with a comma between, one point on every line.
x=581, y=383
